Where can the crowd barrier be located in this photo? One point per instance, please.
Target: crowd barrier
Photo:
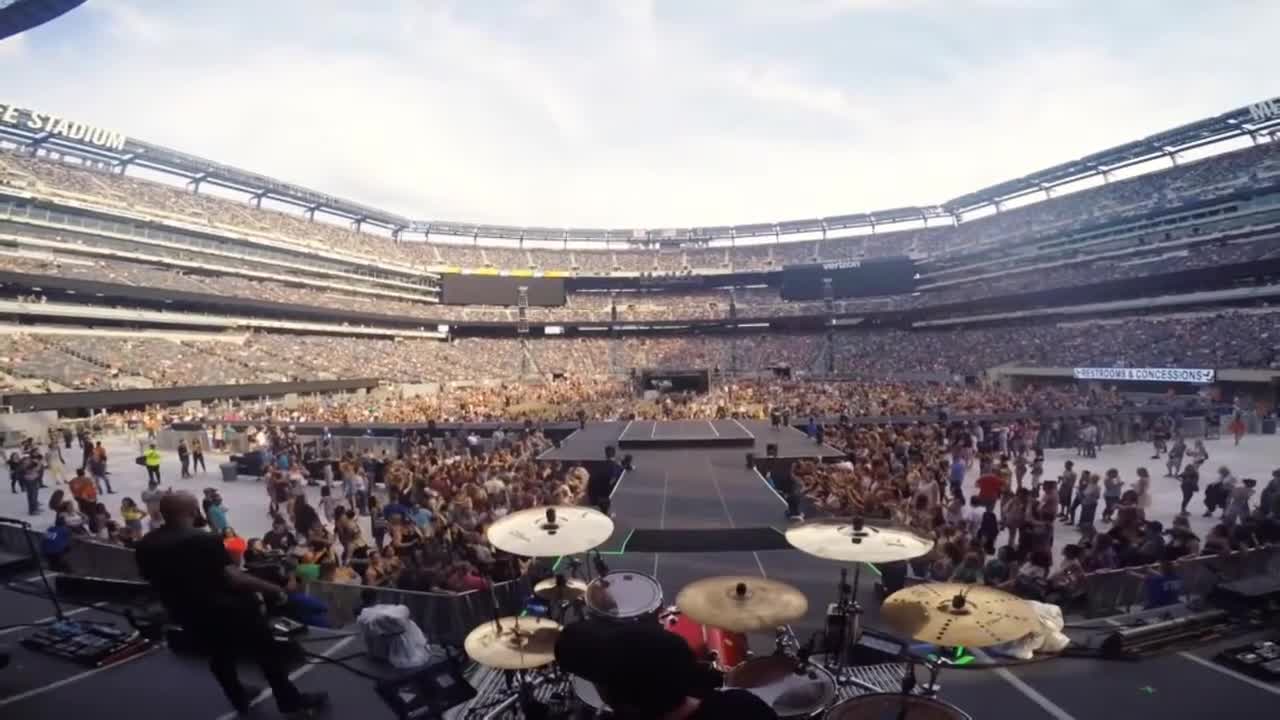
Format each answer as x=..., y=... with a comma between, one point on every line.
x=444, y=617
x=1110, y=592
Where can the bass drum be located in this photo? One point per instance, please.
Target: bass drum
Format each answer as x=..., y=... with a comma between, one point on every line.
x=890, y=706
x=624, y=596
x=792, y=692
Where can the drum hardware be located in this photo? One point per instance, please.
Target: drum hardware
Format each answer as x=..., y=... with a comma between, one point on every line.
x=786, y=642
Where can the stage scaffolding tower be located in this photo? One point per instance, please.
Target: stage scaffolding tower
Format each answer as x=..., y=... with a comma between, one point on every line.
x=528, y=366
x=828, y=359
x=733, y=339
x=613, y=346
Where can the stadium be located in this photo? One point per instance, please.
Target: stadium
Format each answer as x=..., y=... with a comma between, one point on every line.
x=401, y=389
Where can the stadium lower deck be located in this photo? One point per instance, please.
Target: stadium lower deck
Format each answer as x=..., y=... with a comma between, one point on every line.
x=669, y=488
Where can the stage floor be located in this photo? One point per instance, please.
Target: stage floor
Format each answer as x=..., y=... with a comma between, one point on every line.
x=744, y=435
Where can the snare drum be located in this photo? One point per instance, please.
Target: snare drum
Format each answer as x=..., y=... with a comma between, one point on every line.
x=890, y=706
x=626, y=596
x=792, y=693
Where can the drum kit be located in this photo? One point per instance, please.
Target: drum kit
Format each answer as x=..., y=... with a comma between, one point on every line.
x=713, y=616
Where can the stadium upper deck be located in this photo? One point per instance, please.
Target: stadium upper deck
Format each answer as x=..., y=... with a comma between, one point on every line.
x=934, y=229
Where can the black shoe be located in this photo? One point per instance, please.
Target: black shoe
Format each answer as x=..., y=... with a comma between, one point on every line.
x=308, y=703
x=243, y=705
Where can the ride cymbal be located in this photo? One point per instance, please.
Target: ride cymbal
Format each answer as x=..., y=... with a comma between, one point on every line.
x=550, y=531
x=514, y=643
x=957, y=614
x=741, y=603
x=856, y=541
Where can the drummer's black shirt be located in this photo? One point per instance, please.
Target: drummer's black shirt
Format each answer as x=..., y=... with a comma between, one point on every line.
x=733, y=705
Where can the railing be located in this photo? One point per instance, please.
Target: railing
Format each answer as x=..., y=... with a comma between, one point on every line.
x=1109, y=592
x=444, y=617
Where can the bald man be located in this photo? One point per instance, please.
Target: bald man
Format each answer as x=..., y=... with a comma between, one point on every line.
x=217, y=604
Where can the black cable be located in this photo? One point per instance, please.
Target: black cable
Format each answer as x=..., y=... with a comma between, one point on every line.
x=342, y=663
x=324, y=638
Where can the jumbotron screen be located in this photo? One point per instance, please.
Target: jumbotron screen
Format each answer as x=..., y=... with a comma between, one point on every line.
x=850, y=278
x=459, y=289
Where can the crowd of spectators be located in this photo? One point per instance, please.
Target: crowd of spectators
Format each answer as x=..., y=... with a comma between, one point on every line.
x=414, y=521
x=1231, y=340
x=1001, y=530
x=1191, y=182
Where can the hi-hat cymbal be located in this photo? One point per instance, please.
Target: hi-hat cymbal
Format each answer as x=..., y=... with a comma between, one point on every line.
x=514, y=643
x=572, y=590
x=550, y=531
x=857, y=542
x=741, y=603
x=957, y=614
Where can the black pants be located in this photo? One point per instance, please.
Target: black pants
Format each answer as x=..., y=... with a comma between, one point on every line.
x=185, y=461
x=246, y=636
x=153, y=473
x=1187, y=494
x=197, y=461
x=32, y=487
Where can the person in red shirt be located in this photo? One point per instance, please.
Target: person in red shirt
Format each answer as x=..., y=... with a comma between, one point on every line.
x=84, y=491
x=990, y=486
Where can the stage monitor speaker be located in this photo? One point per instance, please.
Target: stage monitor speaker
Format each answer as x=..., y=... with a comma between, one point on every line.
x=771, y=450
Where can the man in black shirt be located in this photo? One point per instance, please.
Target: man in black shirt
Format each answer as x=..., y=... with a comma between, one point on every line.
x=217, y=604
x=644, y=672
x=278, y=537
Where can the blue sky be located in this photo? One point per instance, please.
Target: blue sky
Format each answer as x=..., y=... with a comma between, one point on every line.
x=644, y=113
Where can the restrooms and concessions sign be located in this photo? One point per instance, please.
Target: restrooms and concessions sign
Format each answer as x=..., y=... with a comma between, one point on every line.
x=1199, y=376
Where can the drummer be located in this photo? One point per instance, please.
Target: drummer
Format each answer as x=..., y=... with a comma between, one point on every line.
x=646, y=673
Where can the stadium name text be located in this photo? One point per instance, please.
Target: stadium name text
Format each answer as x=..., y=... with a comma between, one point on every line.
x=1265, y=110
x=1178, y=375
x=842, y=265
x=57, y=125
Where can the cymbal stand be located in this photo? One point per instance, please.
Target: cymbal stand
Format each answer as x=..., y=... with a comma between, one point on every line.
x=849, y=630
x=932, y=688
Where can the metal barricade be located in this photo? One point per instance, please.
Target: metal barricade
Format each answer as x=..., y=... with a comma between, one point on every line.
x=1109, y=592
x=443, y=617
x=91, y=558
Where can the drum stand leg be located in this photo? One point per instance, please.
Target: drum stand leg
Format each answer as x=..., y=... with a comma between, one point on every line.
x=932, y=688
x=850, y=630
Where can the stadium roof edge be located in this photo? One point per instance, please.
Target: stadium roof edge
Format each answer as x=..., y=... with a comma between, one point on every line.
x=1236, y=123
x=1228, y=125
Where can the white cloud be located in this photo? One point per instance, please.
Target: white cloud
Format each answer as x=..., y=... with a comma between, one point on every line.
x=622, y=114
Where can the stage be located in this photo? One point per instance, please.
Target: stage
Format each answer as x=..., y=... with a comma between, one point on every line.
x=709, y=490
x=754, y=436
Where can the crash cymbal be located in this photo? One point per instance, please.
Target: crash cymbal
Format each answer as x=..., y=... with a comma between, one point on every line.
x=957, y=614
x=741, y=603
x=509, y=645
x=550, y=531
x=855, y=541
x=572, y=590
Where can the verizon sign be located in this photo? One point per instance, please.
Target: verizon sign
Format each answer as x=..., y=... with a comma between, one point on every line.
x=1198, y=376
